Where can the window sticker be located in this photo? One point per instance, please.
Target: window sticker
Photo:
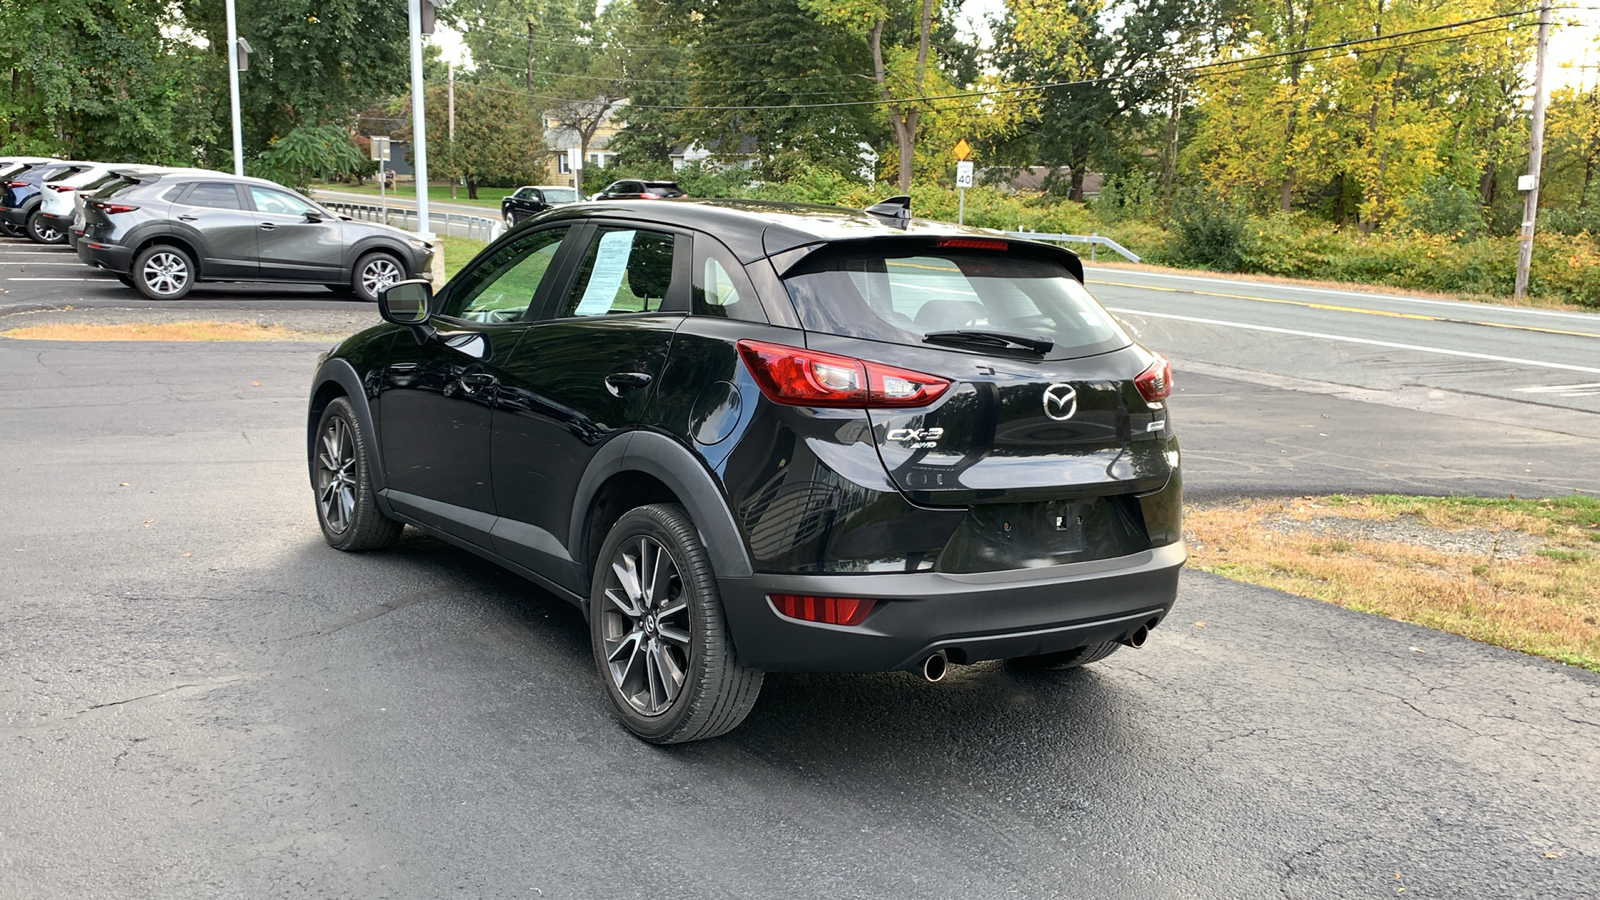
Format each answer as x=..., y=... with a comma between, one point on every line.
x=610, y=265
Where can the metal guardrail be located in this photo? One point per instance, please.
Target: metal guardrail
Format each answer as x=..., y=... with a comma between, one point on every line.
x=1093, y=240
x=480, y=228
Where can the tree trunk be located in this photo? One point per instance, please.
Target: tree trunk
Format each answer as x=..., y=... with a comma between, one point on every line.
x=472, y=188
x=1075, y=192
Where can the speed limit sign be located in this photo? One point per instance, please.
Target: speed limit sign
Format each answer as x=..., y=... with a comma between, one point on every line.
x=964, y=174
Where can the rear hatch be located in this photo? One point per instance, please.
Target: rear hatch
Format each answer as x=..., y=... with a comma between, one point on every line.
x=1043, y=405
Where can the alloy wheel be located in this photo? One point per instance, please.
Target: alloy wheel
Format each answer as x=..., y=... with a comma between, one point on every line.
x=165, y=273
x=336, y=475
x=46, y=234
x=379, y=274
x=645, y=626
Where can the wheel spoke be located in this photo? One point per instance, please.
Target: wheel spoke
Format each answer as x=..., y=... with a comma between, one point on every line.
x=668, y=673
x=628, y=607
x=628, y=575
x=673, y=634
x=659, y=574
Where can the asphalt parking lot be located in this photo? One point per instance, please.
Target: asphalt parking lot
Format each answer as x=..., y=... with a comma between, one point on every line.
x=200, y=699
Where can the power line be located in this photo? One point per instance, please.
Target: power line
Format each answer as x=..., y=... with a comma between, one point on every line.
x=1243, y=64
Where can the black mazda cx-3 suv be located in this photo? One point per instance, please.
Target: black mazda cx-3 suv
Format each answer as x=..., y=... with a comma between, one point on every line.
x=751, y=437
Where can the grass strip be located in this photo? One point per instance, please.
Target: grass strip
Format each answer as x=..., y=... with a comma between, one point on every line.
x=163, y=331
x=1517, y=573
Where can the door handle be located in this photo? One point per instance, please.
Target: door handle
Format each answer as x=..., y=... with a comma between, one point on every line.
x=268, y=226
x=188, y=219
x=479, y=380
x=619, y=383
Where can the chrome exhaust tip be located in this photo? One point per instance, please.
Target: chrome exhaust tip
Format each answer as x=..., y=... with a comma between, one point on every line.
x=933, y=668
x=1137, y=638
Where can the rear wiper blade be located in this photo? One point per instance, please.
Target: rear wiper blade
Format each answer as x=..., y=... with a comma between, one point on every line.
x=990, y=339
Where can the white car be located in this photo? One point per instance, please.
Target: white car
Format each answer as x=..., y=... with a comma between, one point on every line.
x=56, y=199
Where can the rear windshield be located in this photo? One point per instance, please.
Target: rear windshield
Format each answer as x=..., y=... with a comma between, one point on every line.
x=664, y=188
x=560, y=195
x=901, y=298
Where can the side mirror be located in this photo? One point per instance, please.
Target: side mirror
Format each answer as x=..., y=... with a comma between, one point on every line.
x=313, y=216
x=407, y=303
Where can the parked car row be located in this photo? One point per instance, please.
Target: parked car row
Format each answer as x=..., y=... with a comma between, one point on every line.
x=530, y=200
x=162, y=230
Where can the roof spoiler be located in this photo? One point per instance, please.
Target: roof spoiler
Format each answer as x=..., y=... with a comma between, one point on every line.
x=894, y=212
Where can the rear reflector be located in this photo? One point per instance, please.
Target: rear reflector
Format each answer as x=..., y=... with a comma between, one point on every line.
x=795, y=376
x=973, y=244
x=828, y=610
x=1155, y=382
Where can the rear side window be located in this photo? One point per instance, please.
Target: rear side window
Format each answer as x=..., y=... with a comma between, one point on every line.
x=721, y=288
x=215, y=195
x=625, y=270
x=902, y=297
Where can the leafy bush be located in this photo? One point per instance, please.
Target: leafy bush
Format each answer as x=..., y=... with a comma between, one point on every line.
x=1129, y=196
x=1208, y=231
x=311, y=153
x=1445, y=208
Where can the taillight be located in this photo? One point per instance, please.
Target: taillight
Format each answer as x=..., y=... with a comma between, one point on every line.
x=112, y=209
x=799, y=377
x=61, y=188
x=973, y=244
x=648, y=196
x=1155, y=382
x=828, y=610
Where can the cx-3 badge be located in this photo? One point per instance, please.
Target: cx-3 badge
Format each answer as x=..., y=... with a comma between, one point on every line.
x=1060, y=402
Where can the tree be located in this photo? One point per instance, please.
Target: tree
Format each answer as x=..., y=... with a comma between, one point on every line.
x=499, y=137
x=98, y=78
x=316, y=62
x=901, y=71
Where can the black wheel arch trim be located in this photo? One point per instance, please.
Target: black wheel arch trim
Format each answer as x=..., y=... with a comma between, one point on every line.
x=340, y=372
x=674, y=465
x=375, y=244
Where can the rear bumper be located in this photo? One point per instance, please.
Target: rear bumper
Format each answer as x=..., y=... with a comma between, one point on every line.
x=111, y=257
x=997, y=615
x=62, y=224
x=17, y=216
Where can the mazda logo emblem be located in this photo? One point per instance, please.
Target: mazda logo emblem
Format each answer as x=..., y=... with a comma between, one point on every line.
x=1060, y=402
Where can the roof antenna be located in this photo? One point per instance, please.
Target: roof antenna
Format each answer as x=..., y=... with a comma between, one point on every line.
x=894, y=212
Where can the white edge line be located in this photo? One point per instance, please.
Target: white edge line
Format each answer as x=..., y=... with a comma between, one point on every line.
x=1588, y=317
x=1355, y=340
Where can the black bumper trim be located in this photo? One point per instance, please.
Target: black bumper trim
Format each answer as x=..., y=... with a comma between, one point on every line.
x=972, y=620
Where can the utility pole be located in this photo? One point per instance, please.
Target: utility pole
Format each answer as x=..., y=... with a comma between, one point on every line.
x=233, y=91
x=1530, y=182
x=451, y=80
x=419, y=129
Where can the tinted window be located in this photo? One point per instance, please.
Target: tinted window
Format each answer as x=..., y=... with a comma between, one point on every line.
x=623, y=271
x=279, y=202
x=560, y=195
x=720, y=286
x=524, y=194
x=902, y=298
x=503, y=287
x=213, y=194
x=98, y=183
x=664, y=188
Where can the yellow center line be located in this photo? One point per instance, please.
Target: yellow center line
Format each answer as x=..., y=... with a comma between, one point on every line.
x=1354, y=309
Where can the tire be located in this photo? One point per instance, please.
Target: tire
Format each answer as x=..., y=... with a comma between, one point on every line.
x=127, y=280
x=373, y=273
x=163, y=272
x=10, y=230
x=40, y=233
x=347, y=507
x=1066, y=659
x=661, y=644
x=511, y=220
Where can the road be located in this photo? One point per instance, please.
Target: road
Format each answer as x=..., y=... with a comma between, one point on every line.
x=1381, y=342
x=199, y=699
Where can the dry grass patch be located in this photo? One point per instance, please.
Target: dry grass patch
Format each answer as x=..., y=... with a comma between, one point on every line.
x=163, y=331
x=1520, y=574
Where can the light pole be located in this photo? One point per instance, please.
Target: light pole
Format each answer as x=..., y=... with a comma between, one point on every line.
x=419, y=145
x=233, y=91
x=1530, y=181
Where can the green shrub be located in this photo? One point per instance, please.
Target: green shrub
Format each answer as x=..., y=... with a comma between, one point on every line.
x=1445, y=208
x=1208, y=232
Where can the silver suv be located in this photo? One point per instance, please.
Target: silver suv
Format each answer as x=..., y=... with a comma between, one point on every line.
x=160, y=232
